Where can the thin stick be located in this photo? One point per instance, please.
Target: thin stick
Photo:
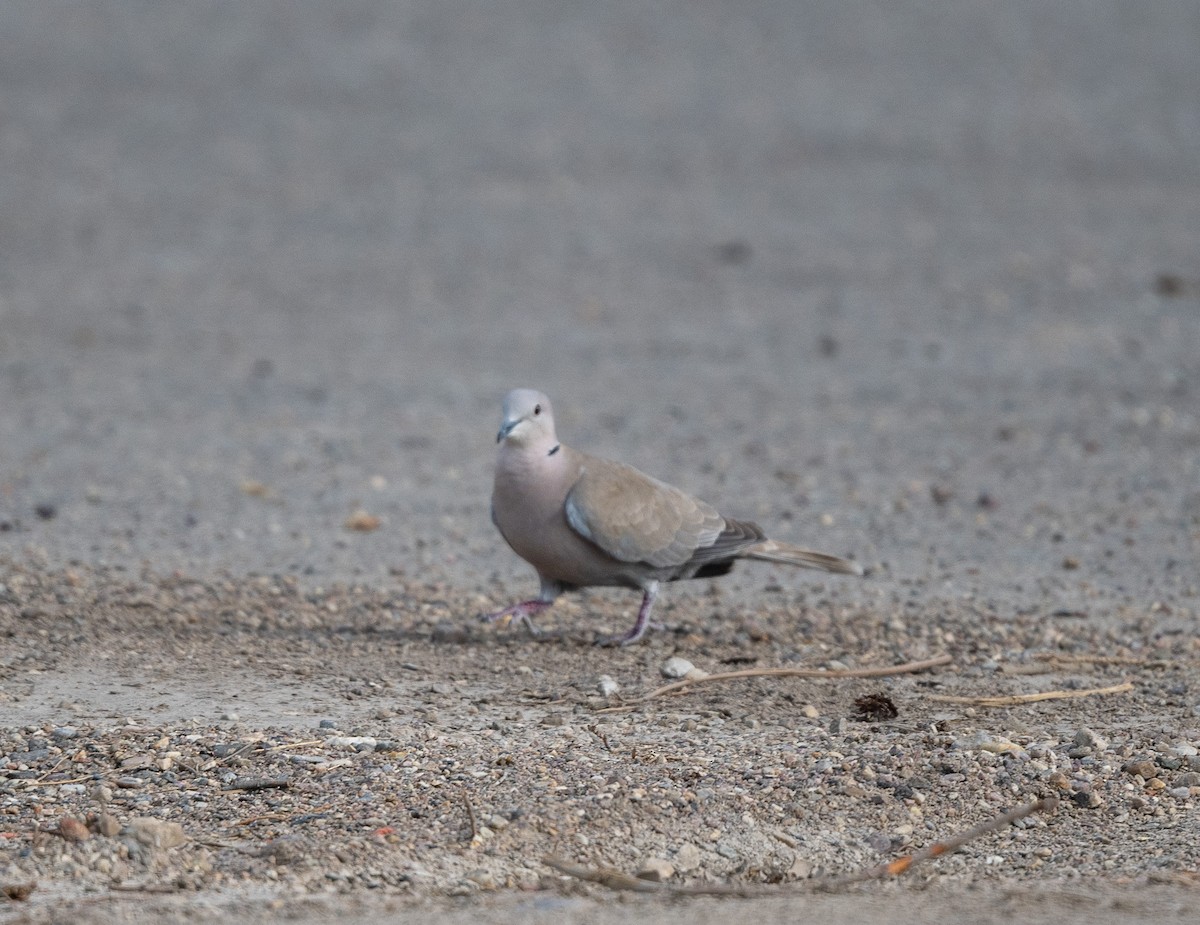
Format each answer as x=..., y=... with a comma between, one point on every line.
x=260, y=783
x=618, y=880
x=1087, y=659
x=812, y=673
x=901, y=865
x=42, y=782
x=58, y=764
x=605, y=876
x=471, y=816
x=143, y=888
x=1018, y=699
x=622, y=882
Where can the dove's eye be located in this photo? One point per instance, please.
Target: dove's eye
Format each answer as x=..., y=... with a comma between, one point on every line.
x=537, y=409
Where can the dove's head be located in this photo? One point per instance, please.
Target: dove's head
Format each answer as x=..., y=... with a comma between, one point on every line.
x=528, y=419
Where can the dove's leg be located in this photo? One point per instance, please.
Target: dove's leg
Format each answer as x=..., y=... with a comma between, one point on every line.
x=524, y=611
x=521, y=613
x=643, y=620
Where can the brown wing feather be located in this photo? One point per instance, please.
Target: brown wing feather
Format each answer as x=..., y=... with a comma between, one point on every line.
x=738, y=536
x=636, y=518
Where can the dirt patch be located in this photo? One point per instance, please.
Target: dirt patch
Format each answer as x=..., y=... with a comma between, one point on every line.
x=378, y=746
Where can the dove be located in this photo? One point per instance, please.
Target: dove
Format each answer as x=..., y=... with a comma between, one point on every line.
x=582, y=521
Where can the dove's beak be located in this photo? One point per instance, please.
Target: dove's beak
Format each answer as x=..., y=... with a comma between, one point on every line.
x=506, y=429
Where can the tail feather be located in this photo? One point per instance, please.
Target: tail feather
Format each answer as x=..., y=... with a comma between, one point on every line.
x=774, y=551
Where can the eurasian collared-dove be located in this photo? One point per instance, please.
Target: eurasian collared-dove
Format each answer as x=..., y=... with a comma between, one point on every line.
x=582, y=521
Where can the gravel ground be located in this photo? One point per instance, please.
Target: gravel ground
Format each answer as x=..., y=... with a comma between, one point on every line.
x=266, y=744
x=916, y=283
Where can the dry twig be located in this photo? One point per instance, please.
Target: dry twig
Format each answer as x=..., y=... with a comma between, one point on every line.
x=1013, y=700
x=145, y=888
x=260, y=783
x=287, y=745
x=1065, y=658
x=901, y=865
x=471, y=816
x=621, y=881
x=810, y=673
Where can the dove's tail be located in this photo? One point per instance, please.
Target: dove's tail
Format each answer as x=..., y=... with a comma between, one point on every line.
x=774, y=551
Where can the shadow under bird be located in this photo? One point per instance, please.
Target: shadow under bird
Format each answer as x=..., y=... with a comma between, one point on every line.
x=582, y=521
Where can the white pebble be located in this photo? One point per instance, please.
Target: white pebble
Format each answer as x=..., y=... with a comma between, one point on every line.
x=676, y=667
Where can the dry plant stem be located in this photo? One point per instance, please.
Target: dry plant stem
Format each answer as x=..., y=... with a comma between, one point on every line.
x=261, y=783
x=880, y=672
x=619, y=880
x=898, y=866
x=1018, y=699
x=1086, y=659
x=471, y=817
x=144, y=888
x=605, y=876
x=622, y=882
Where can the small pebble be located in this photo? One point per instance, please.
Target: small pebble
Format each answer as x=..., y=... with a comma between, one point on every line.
x=687, y=858
x=879, y=842
x=154, y=833
x=675, y=668
x=1086, y=742
x=1088, y=799
x=656, y=870
x=1141, y=766
x=608, y=687
x=107, y=825
x=352, y=742
x=71, y=829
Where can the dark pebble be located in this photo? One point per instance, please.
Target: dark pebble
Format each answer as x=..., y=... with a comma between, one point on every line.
x=1088, y=799
x=1143, y=766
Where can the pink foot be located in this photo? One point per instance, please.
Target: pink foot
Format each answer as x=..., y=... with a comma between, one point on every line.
x=640, y=627
x=521, y=613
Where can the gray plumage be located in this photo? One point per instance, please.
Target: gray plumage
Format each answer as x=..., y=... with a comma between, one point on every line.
x=584, y=521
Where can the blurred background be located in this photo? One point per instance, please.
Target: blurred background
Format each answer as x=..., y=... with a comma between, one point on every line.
x=917, y=281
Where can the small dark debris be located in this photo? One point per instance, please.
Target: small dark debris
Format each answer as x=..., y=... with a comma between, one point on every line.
x=986, y=501
x=873, y=708
x=879, y=842
x=46, y=511
x=1168, y=285
x=828, y=346
x=1070, y=563
x=1077, y=614
x=447, y=633
x=736, y=251
x=259, y=783
x=941, y=493
x=18, y=892
x=1086, y=799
